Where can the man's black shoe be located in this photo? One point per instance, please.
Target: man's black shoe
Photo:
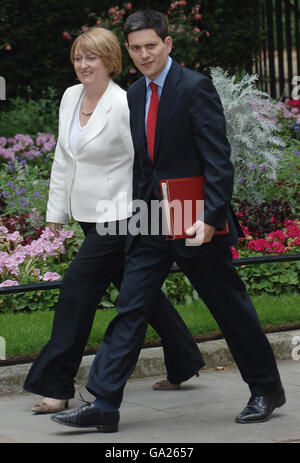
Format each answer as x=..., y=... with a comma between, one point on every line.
x=89, y=416
x=259, y=408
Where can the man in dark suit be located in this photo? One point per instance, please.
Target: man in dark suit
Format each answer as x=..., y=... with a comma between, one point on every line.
x=185, y=136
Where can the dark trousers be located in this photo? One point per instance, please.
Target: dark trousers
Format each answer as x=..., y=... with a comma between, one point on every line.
x=218, y=284
x=99, y=262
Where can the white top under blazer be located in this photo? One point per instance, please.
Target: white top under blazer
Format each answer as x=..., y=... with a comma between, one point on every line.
x=100, y=171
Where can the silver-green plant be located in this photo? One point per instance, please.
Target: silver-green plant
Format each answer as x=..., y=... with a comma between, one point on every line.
x=252, y=132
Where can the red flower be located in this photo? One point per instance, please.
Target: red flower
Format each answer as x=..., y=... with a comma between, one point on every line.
x=292, y=229
x=293, y=103
x=277, y=235
x=245, y=230
x=279, y=248
x=235, y=254
x=258, y=245
x=66, y=36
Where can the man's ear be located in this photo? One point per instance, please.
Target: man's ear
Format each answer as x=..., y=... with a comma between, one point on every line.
x=127, y=46
x=168, y=43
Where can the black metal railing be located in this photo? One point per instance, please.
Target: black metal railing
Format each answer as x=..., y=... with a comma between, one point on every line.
x=49, y=285
x=278, y=60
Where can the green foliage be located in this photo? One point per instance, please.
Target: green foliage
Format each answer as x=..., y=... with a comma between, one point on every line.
x=286, y=186
x=273, y=279
x=27, y=115
x=35, y=53
x=27, y=333
x=23, y=188
x=252, y=132
x=179, y=289
x=29, y=301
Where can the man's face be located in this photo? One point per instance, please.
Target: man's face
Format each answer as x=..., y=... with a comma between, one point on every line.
x=148, y=52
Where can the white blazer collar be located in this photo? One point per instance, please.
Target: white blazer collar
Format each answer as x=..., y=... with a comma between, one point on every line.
x=98, y=119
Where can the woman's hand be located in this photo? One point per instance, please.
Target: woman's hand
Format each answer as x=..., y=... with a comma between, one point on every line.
x=55, y=228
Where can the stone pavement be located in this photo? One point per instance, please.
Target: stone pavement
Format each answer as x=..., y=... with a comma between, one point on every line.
x=201, y=411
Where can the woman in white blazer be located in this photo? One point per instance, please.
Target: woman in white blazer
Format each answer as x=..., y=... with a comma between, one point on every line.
x=93, y=164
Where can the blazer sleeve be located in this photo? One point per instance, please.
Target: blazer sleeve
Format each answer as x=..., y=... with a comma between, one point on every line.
x=209, y=129
x=124, y=128
x=136, y=164
x=56, y=198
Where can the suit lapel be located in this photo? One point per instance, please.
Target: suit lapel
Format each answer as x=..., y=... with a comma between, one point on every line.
x=166, y=103
x=138, y=112
x=67, y=115
x=99, y=118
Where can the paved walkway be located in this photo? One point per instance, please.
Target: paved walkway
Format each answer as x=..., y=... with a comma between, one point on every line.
x=202, y=411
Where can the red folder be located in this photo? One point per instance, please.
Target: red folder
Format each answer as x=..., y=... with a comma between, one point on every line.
x=183, y=205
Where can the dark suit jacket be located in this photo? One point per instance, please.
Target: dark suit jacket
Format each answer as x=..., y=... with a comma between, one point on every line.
x=190, y=141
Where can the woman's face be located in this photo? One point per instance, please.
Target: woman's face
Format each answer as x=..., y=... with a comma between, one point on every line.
x=89, y=68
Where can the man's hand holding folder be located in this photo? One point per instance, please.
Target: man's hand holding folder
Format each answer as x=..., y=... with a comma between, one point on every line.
x=200, y=232
x=183, y=203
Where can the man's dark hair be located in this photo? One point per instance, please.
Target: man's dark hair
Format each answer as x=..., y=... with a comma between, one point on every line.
x=147, y=19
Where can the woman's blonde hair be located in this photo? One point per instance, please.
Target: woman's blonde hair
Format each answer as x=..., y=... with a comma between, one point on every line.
x=103, y=43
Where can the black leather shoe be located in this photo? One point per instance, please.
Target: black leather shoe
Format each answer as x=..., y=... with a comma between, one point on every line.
x=259, y=408
x=89, y=416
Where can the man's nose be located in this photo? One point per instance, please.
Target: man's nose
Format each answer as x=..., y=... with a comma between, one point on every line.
x=144, y=52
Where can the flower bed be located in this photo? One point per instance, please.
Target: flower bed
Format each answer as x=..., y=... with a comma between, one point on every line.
x=30, y=253
x=25, y=165
x=39, y=257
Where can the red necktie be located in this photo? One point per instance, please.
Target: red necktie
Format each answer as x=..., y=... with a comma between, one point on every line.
x=151, y=119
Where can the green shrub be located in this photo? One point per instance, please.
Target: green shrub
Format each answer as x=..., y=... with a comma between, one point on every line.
x=26, y=115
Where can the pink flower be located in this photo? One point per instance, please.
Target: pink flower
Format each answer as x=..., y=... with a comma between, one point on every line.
x=246, y=231
x=9, y=283
x=258, y=245
x=277, y=247
x=235, y=254
x=50, y=276
x=3, y=230
x=8, y=47
x=277, y=235
x=292, y=229
x=15, y=237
